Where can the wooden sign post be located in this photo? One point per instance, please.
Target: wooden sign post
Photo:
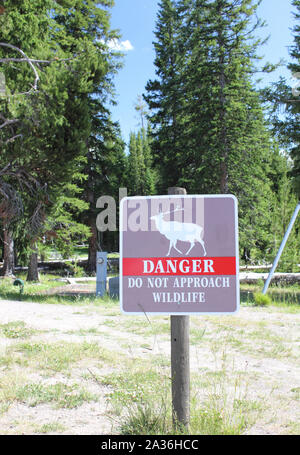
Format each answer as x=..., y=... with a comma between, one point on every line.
x=180, y=360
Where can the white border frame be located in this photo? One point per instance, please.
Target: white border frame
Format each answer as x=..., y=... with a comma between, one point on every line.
x=173, y=196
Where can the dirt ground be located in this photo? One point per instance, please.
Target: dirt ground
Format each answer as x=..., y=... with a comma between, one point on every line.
x=267, y=352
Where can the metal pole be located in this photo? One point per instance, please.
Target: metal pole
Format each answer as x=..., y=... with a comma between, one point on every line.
x=286, y=235
x=180, y=360
x=101, y=273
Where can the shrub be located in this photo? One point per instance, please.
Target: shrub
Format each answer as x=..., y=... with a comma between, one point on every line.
x=262, y=299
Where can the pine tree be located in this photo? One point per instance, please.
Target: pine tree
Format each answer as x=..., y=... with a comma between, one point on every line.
x=285, y=201
x=89, y=27
x=282, y=104
x=283, y=107
x=141, y=108
x=141, y=175
x=151, y=174
x=57, y=122
x=223, y=143
x=226, y=130
x=294, y=104
x=105, y=169
x=164, y=97
x=25, y=33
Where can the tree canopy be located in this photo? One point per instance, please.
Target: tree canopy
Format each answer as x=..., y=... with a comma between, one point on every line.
x=203, y=124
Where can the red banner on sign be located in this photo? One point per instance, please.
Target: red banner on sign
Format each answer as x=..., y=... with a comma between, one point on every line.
x=179, y=266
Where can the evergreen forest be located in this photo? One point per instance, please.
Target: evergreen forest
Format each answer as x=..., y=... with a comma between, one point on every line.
x=203, y=125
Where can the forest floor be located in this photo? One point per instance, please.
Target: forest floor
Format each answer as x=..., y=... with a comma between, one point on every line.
x=79, y=366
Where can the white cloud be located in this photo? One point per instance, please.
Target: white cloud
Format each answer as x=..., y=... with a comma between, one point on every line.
x=123, y=46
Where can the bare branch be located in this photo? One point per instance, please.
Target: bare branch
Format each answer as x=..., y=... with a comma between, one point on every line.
x=13, y=138
x=11, y=204
x=7, y=122
x=5, y=169
x=28, y=60
x=34, y=60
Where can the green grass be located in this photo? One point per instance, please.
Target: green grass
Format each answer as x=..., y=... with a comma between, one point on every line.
x=285, y=297
x=262, y=299
x=214, y=415
x=54, y=357
x=50, y=427
x=84, y=332
x=113, y=255
x=60, y=395
x=255, y=338
x=292, y=428
x=280, y=295
x=142, y=326
x=139, y=388
x=32, y=291
x=36, y=293
x=197, y=335
x=133, y=386
x=278, y=351
x=15, y=388
x=296, y=392
x=141, y=397
x=81, y=252
x=16, y=329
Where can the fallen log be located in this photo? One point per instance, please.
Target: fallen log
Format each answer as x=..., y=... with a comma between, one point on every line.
x=56, y=264
x=258, y=267
x=278, y=278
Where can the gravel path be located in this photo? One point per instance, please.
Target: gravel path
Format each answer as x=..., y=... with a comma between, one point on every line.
x=275, y=377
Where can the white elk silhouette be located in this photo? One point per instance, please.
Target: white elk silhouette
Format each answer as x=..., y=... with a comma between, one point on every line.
x=175, y=231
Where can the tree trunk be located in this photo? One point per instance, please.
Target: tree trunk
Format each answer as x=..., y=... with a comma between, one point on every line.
x=32, y=274
x=8, y=254
x=223, y=131
x=93, y=247
x=223, y=128
x=2, y=248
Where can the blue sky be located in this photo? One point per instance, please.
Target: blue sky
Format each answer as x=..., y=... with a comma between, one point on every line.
x=135, y=19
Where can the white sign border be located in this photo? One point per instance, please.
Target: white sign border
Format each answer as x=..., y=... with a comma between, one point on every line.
x=180, y=313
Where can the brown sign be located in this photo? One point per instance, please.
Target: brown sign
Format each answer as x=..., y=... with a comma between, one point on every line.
x=179, y=254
